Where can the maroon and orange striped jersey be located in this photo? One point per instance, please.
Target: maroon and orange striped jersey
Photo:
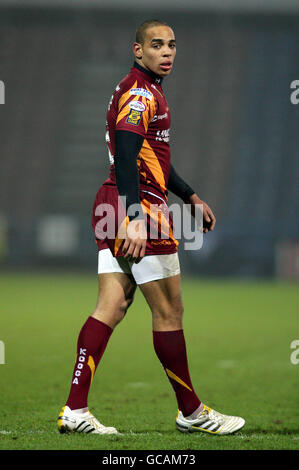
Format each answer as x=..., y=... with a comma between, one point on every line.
x=138, y=105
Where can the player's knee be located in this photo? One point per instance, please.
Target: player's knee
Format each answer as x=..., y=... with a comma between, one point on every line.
x=178, y=310
x=173, y=311
x=181, y=310
x=129, y=302
x=123, y=307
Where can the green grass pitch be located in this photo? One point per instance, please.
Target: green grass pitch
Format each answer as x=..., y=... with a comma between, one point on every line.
x=238, y=337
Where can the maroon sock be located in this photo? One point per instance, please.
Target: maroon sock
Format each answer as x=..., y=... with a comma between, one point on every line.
x=170, y=348
x=92, y=342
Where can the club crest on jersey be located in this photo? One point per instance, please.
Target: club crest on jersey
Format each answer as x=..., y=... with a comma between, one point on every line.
x=141, y=92
x=137, y=106
x=134, y=117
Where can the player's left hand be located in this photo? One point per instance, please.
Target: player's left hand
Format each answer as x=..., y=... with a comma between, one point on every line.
x=209, y=220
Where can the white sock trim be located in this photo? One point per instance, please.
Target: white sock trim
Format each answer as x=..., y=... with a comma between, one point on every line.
x=196, y=412
x=80, y=410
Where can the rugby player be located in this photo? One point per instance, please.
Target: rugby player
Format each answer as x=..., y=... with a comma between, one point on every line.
x=137, y=135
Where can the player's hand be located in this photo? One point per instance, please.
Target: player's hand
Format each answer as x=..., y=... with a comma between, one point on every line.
x=135, y=241
x=208, y=218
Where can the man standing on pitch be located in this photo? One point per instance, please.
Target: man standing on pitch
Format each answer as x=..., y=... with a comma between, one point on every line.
x=137, y=135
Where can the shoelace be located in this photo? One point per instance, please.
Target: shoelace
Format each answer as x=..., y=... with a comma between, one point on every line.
x=213, y=415
x=95, y=423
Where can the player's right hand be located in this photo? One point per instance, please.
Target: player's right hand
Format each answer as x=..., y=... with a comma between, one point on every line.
x=135, y=242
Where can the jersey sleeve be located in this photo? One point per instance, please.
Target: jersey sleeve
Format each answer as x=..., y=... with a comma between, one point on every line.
x=136, y=109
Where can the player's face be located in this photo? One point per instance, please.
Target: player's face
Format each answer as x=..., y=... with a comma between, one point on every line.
x=158, y=51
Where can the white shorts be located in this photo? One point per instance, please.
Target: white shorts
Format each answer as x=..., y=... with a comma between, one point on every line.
x=150, y=268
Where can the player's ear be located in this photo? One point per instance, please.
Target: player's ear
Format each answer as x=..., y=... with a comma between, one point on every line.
x=137, y=49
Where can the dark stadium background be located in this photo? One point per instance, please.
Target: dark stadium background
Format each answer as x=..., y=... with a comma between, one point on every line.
x=234, y=134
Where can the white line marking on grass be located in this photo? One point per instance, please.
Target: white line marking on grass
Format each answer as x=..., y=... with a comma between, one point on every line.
x=5, y=432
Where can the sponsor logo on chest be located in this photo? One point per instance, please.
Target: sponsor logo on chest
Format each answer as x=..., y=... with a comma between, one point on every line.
x=142, y=92
x=159, y=117
x=137, y=106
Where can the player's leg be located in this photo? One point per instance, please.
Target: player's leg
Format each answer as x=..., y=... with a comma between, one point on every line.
x=164, y=299
x=115, y=295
